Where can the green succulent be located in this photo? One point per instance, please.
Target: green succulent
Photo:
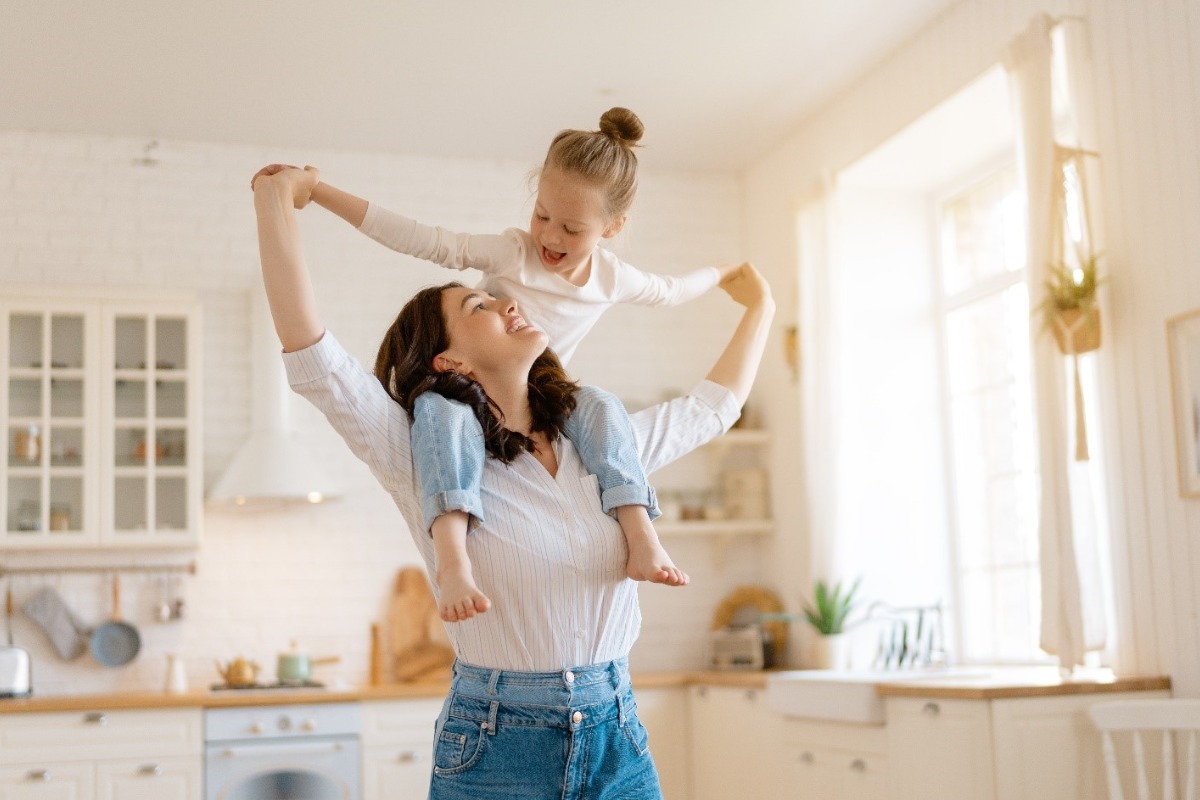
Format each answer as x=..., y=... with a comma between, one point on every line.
x=1064, y=291
x=831, y=606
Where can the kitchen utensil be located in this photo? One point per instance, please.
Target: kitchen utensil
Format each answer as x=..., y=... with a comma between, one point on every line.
x=66, y=632
x=239, y=672
x=15, y=670
x=295, y=666
x=115, y=643
x=162, y=611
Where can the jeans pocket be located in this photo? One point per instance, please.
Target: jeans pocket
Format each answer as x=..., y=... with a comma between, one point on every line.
x=459, y=746
x=635, y=732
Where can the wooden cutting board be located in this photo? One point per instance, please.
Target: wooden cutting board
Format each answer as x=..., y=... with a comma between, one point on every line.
x=417, y=640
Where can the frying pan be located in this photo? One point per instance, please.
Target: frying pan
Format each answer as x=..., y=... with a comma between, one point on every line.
x=115, y=643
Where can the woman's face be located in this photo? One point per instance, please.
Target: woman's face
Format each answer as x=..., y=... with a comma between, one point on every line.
x=487, y=335
x=569, y=219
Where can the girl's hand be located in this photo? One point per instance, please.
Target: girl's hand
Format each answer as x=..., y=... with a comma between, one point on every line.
x=728, y=270
x=297, y=182
x=747, y=286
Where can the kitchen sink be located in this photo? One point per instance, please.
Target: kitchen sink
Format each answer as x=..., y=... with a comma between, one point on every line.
x=843, y=696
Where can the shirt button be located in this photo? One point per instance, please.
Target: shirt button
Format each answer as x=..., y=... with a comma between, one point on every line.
x=570, y=676
x=577, y=716
x=578, y=634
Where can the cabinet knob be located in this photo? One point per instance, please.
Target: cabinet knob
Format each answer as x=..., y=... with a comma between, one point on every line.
x=858, y=765
x=806, y=757
x=150, y=769
x=38, y=775
x=409, y=757
x=751, y=694
x=95, y=718
x=931, y=709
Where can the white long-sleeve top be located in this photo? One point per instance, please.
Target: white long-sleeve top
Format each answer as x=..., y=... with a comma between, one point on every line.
x=551, y=561
x=511, y=268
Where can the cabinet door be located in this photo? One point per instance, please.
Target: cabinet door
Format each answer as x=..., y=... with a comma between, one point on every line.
x=48, y=404
x=736, y=749
x=397, y=771
x=151, y=441
x=940, y=749
x=150, y=779
x=73, y=781
x=664, y=713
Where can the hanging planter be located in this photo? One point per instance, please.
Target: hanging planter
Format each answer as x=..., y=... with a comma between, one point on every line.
x=1069, y=309
x=1076, y=331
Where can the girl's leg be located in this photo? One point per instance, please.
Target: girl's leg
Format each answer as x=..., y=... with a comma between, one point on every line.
x=448, y=452
x=602, y=434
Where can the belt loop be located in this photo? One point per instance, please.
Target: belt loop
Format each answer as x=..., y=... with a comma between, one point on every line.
x=614, y=674
x=492, y=717
x=492, y=681
x=621, y=710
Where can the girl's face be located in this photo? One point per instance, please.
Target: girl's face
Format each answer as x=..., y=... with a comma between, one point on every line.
x=569, y=218
x=487, y=335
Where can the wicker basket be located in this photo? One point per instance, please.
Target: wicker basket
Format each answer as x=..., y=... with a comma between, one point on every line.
x=1076, y=333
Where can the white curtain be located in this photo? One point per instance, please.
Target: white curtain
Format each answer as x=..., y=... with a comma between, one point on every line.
x=1073, y=614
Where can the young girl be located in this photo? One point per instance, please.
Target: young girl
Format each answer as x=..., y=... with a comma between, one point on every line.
x=564, y=281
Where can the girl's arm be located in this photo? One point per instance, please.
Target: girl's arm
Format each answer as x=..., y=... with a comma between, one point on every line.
x=285, y=273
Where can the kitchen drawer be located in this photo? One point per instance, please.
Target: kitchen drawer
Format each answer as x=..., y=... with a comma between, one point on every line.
x=69, y=781
x=399, y=722
x=76, y=736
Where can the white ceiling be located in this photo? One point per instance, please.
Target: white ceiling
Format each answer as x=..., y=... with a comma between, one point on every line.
x=716, y=83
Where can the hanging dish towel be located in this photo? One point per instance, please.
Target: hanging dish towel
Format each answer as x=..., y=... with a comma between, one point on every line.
x=65, y=631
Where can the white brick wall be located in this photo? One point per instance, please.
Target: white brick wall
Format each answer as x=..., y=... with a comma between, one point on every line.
x=78, y=210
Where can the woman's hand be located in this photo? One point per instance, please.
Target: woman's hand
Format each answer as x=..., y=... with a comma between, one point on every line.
x=747, y=286
x=298, y=183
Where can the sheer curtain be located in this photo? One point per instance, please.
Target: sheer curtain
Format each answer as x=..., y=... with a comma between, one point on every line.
x=1073, y=604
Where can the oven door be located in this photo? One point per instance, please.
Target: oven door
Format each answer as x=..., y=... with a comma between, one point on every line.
x=307, y=769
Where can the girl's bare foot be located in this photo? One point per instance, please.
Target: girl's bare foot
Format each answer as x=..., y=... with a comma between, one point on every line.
x=460, y=597
x=648, y=561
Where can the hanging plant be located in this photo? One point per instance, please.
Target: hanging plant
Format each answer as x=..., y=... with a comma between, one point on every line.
x=1069, y=309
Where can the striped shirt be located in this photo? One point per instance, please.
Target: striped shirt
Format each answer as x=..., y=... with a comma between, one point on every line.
x=551, y=561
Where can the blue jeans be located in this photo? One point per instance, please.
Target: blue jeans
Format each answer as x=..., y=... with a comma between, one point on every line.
x=567, y=735
x=447, y=445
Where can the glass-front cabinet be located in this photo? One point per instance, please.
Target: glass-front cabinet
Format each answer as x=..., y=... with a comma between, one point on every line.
x=101, y=411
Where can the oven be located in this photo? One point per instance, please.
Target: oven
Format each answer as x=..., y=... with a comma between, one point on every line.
x=286, y=752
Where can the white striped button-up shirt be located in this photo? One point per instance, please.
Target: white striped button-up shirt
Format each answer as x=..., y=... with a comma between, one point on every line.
x=551, y=561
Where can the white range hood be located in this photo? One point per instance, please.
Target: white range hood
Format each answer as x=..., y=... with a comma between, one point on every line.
x=272, y=469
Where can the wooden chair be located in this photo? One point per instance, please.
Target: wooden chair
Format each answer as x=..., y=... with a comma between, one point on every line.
x=1168, y=716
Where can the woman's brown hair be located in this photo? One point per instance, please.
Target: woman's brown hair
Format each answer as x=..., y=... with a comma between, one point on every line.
x=604, y=158
x=404, y=365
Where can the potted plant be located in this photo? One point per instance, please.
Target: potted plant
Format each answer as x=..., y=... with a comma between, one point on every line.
x=828, y=614
x=1069, y=309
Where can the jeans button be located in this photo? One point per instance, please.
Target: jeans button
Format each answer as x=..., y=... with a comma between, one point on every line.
x=577, y=716
x=570, y=676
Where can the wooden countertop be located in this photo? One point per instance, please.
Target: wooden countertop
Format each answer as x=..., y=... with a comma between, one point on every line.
x=401, y=691
x=1004, y=684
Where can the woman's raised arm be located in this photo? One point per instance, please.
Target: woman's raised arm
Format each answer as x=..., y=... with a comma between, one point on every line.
x=738, y=364
x=285, y=274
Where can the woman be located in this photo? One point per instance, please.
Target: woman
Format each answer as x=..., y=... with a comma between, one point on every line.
x=540, y=705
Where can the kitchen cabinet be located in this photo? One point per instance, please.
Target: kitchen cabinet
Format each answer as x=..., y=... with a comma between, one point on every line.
x=736, y=745
x=834, y=761
x=100, y=404
x=733, y=497
x=664, y=713
x=397, y=747
x=120, y=755
x=1025, y=748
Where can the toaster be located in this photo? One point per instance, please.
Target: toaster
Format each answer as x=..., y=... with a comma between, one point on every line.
x=737, y=648
x=15, y=679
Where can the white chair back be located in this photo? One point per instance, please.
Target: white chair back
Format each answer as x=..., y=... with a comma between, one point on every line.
x=1169, y=717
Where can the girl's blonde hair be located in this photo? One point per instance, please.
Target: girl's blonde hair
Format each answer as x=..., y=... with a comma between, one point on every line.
x=604, y=158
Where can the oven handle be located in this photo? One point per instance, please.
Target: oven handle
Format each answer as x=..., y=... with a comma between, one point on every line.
x=299, y=748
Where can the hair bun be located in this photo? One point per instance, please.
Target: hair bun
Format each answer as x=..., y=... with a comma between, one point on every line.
x=622, y=125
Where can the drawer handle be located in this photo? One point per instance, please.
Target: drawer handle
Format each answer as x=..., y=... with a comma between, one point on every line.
x=858, y=765
x=806, y=758
x=932, y=709
x=150, y=769
x=751, y=694
x=95, y=718
x=409, y=756
x=38, y=775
